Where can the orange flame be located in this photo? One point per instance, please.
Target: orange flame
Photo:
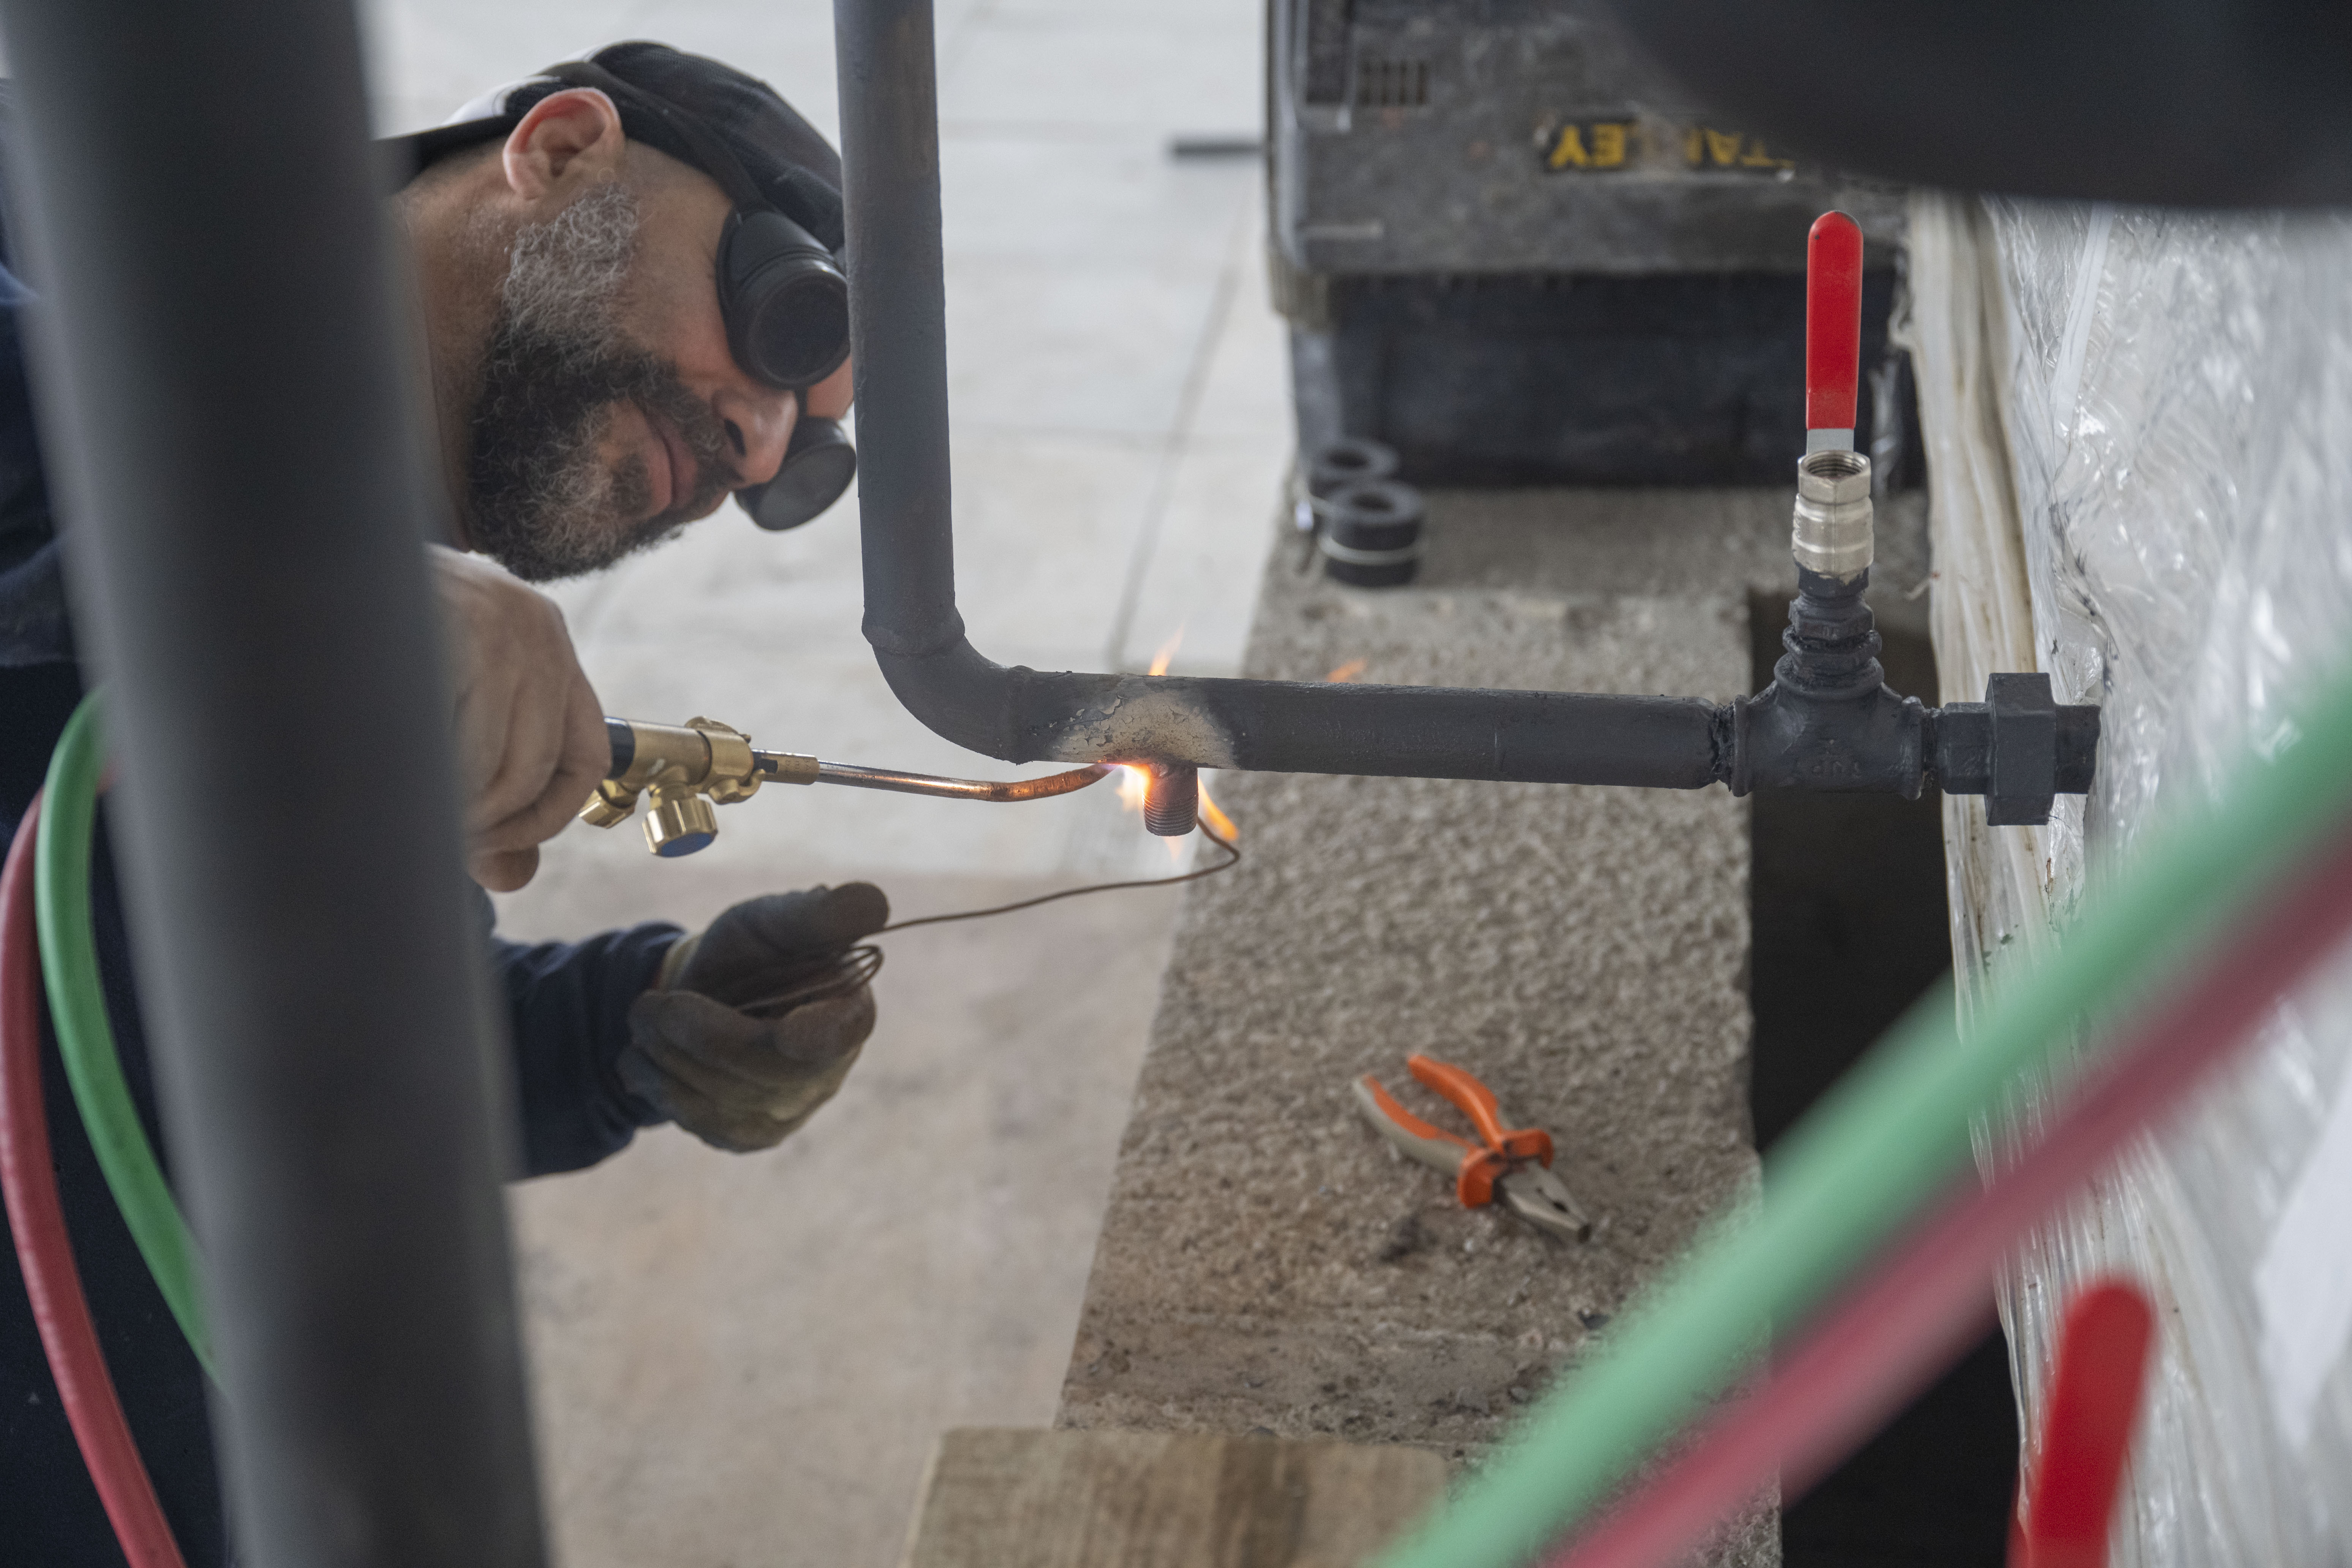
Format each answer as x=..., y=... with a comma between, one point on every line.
x=1133, y=781
x=1215, y=817
x=1347, y=671
x=1160, y=660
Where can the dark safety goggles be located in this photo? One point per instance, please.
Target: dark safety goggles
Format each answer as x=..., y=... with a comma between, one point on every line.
x=785, y=303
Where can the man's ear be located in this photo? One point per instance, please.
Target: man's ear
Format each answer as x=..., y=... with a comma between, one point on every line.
x=566, y=136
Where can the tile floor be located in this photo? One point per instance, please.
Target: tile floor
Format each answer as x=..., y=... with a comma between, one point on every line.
x=744, y=1362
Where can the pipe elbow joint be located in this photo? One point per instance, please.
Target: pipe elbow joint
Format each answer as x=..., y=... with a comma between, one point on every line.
x=960, y=694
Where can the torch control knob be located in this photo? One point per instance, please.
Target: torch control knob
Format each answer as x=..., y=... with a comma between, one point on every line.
x=680, y=823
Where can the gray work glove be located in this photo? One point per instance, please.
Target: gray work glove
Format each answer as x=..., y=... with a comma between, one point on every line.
x=736, y=1081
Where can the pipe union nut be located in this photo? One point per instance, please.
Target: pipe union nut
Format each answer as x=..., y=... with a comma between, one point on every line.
x=1832, y=535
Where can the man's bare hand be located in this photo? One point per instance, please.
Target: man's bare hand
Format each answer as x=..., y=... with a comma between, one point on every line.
x=531, y=733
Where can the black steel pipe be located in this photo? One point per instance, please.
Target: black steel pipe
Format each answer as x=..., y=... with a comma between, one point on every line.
x=1297, y=727
x=1828, y=722
x=1820, y=726
x=890, y=159
x=236, y=447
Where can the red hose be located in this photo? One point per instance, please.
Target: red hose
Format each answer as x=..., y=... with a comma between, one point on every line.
x=1880, y=1344
x=38, y=1223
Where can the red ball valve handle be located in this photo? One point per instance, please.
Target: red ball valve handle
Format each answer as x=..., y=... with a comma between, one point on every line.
x=1832, y=331
x=2103, y=1354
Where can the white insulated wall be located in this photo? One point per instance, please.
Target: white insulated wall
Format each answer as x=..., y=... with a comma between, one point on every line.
x=2139, y=434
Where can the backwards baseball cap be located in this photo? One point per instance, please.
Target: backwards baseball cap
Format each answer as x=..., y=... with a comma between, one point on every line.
x=793, y=167
x=781, y=290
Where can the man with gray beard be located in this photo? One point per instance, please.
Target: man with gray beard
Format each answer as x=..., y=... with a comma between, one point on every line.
x=626, y=270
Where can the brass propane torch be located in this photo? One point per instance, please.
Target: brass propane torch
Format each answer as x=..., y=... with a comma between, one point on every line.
x=689, y=769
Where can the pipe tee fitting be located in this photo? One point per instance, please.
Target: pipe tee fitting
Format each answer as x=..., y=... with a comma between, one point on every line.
x=1831, y=534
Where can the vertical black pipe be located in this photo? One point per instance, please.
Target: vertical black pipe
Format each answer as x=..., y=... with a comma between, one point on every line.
x=227, y=411
x=897, y=317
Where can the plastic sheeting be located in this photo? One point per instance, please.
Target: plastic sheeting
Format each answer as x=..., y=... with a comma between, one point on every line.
x=2139, y=435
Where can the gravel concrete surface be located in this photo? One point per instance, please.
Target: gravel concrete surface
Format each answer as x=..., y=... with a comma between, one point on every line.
x=1266, y=1262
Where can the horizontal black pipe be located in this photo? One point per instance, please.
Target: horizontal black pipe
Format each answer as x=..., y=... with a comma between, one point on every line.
x=1280, y=726
x=235, y=446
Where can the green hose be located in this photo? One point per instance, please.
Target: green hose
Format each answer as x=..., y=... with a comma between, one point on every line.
x=1889, y=1140
x=85, y=1037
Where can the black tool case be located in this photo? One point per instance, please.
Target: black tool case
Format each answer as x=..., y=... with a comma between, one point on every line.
x=1511, y=250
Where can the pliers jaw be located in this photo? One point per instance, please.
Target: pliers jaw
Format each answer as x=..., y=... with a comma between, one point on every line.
x=1543, y=1200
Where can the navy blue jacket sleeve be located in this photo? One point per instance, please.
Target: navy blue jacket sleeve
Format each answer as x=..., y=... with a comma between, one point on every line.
x=568, y=1010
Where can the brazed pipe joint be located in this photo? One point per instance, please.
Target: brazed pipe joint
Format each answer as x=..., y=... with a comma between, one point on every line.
x=1831, y=534
x=1171, y=800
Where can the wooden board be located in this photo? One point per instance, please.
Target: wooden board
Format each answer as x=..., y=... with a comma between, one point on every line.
x=1009, y=1498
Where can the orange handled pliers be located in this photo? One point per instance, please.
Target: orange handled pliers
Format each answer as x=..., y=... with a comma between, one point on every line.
x=1511, y=1164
